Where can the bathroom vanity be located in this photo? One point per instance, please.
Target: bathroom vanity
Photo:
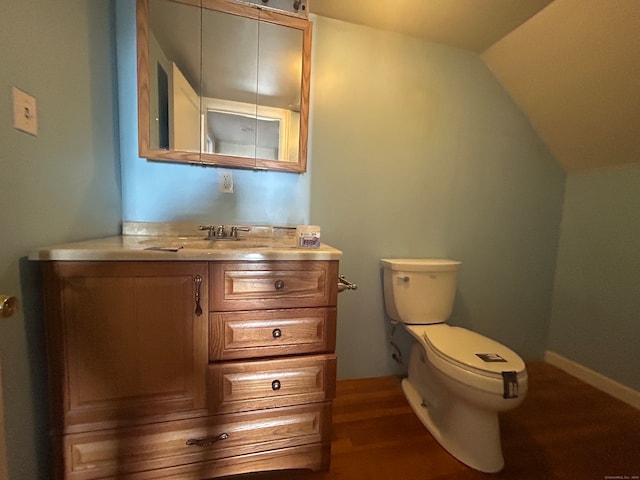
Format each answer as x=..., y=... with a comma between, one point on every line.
x=189, y=362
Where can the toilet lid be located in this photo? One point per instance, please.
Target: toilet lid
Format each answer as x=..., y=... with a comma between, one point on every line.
x=472, y=350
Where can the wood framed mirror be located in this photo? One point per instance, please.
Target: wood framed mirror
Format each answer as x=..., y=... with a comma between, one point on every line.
x=223, y=83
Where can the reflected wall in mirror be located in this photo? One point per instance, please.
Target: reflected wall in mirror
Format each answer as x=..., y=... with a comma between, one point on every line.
x=223, y=83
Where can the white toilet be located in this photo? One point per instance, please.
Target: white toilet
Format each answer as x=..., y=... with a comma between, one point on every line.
x=458, y=380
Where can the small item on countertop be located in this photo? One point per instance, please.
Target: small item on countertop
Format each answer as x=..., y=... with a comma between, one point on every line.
x=308, y=236
x=165, y=249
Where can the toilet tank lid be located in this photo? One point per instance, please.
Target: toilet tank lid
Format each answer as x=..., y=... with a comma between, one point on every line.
x=420, y=264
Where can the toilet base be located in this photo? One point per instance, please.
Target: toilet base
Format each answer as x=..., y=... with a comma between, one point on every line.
x=468, y=432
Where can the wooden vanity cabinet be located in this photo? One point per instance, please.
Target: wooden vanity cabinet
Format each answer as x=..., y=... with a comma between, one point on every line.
x=189, y=370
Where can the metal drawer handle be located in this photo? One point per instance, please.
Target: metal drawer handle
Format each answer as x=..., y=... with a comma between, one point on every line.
x=198, y=282
x=277, y=333
x=275, y=385
x=279, y=285
x=207, y=441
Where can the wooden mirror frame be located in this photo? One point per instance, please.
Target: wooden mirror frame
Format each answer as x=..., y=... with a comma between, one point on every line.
x=200, y=158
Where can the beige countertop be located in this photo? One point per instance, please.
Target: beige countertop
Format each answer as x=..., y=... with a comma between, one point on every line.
x=161, y=243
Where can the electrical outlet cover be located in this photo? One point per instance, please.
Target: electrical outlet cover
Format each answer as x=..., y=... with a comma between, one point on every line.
x=226, y=181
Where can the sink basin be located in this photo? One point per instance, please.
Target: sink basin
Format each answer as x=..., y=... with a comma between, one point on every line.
x=203, y=244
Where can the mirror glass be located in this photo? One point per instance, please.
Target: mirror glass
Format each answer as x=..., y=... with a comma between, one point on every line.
x=224, y=85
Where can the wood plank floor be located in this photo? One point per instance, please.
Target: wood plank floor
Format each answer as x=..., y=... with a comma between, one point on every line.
x=565, y=430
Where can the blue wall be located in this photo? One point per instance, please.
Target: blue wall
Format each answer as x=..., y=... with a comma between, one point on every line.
x=419, y=152
x=595, y=319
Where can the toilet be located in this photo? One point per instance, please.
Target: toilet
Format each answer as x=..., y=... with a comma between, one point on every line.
x=458, y=380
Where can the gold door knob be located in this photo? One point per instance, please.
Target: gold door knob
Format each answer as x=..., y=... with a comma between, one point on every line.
x=8, y=306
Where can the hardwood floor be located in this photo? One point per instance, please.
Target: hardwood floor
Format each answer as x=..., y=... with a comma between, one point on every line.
x=564, y=430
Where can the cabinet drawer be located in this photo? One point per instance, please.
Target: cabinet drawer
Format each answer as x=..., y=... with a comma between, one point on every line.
x=113, y=453
x=265, y=333
x=269, y=285
x=243, y=386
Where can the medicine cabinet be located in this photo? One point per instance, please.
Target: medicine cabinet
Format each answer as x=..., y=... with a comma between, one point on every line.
x=223, y=83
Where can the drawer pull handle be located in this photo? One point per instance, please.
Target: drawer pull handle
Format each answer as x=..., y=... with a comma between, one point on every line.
x=279, y=285
x=207, y=441
x=275, y=385
x=277, y=333
x=198, y=282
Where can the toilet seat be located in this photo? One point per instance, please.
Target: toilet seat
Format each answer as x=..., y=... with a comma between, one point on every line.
x=469, y=357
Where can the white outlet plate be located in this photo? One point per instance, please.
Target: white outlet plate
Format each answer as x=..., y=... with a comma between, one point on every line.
x=25, y=114
x=226, y=181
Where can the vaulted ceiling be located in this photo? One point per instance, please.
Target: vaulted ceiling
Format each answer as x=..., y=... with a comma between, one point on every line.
x=573, y=66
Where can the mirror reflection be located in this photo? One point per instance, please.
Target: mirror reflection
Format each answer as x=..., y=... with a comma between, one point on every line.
x=226, y=85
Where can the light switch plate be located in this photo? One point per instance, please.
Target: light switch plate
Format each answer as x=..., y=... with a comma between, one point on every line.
x=25, y=115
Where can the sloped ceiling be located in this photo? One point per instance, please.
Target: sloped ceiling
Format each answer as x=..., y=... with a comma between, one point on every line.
x=469, y=24
x=573, y=66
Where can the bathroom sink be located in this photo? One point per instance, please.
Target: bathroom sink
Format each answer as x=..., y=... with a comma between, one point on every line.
x=204, y=244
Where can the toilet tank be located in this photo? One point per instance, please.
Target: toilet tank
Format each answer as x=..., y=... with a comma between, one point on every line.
x=419, y=291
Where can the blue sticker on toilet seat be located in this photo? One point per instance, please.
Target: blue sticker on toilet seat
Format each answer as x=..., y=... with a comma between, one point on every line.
x=490, y=357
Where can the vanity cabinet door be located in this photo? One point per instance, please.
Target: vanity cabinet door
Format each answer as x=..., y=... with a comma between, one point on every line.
x=125, y=341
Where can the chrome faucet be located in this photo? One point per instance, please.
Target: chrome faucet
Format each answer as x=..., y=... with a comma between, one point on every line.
x=219, y=232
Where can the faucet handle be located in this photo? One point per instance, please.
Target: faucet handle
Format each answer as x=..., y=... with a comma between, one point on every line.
x=235, y=230
x=211, y=230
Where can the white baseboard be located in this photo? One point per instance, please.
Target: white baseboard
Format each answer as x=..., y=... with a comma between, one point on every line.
x=595, y=379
